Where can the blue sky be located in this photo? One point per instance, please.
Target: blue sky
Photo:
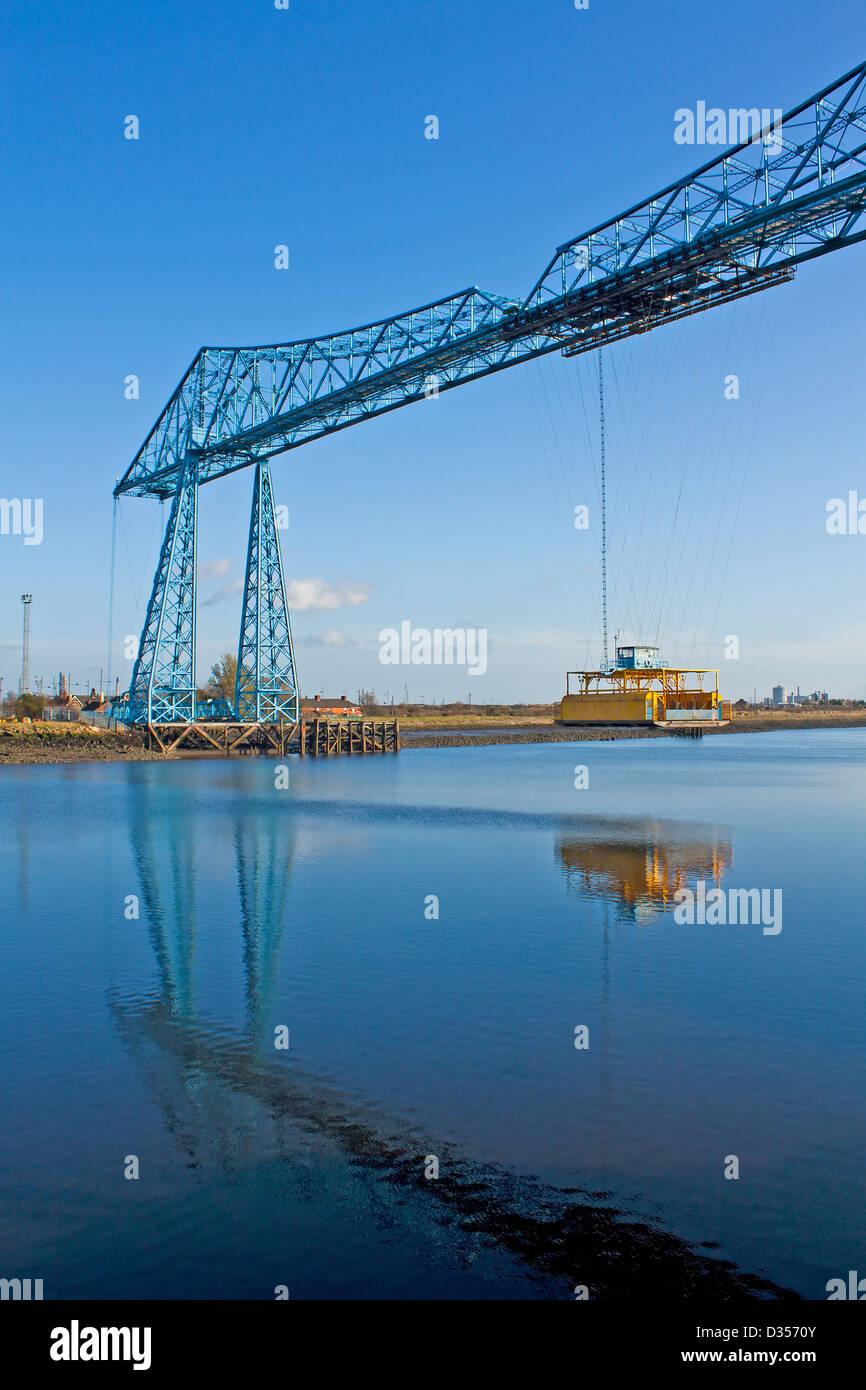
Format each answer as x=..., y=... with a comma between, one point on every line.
x=306, y=127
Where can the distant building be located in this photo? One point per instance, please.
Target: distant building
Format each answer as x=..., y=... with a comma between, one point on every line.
x=780, y=695
x=66, y=711
x=329, y=707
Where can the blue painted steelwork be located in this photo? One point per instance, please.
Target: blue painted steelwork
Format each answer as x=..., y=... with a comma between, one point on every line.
x=163, y=678
x=266, y=688
x=739, y=224
x=213, y=708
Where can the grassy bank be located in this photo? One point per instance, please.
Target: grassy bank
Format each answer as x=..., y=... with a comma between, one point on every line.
x=472, y=721
x=448, y=733
x=543, y=717
x=767, y=719
x=775, y=720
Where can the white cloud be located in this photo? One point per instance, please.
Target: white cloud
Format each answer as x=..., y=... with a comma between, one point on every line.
x=230, y=590
x=214, y=569
x=319, y=595
x=331, y=638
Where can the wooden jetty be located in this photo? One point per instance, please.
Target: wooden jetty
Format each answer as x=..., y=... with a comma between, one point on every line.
x=314, y=738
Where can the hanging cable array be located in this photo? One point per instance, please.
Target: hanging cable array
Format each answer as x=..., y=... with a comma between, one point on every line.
x=604, y=654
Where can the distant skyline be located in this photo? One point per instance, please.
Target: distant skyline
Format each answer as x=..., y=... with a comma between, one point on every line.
x=259, y=128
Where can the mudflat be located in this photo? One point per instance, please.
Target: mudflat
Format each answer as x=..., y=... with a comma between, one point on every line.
x=25, y=741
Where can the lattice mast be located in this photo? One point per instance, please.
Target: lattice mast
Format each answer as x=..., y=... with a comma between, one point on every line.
x=24, y=686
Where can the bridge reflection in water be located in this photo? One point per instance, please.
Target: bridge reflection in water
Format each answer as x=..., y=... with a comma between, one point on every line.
x=229, y=1101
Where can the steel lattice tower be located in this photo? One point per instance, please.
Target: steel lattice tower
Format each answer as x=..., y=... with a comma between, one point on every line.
x=266, y=688
x=163, y=678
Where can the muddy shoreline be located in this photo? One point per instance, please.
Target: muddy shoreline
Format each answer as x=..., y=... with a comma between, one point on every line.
x=467, y=738
x=26, y=744
x=79, y=743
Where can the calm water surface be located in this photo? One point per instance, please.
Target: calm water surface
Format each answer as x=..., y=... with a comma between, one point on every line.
x=413, y=1037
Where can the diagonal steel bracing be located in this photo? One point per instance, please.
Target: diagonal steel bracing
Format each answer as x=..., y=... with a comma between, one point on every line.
x=266, y=689
x=163, y=678
x=740, y=223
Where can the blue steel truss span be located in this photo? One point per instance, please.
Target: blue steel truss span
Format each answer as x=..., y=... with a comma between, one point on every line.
x=739, y=224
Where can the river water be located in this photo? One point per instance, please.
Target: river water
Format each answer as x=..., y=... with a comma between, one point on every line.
x=511, y=1072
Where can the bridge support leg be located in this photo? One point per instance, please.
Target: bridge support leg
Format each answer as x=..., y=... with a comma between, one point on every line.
x=266, y=688
x=162, y=690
